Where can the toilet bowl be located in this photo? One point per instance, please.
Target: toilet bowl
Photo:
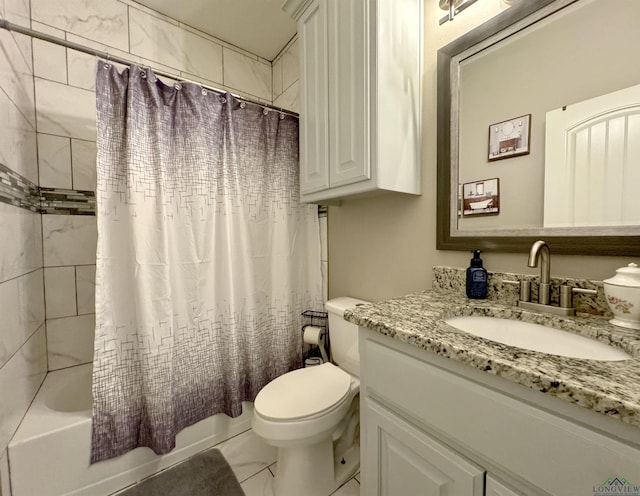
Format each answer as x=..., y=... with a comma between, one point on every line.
x=312, y=416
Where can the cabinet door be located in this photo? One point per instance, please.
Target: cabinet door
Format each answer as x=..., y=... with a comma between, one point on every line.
x=314, y=98
x=495, y=488
x=399, y=459
x=348, y=92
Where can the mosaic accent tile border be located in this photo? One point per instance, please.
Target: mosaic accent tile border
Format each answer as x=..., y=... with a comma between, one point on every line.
x=67, y=202
x=18, y=191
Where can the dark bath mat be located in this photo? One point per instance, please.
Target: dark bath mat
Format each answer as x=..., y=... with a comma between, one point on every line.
x=206, y=474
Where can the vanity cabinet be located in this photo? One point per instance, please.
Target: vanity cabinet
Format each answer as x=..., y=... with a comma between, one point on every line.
x=431, y=426
x=411, y=462
x=360, y=96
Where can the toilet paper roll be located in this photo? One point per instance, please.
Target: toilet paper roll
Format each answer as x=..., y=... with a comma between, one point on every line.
x=314, y=335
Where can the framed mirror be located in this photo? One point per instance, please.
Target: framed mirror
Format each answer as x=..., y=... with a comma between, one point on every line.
x=502, y=88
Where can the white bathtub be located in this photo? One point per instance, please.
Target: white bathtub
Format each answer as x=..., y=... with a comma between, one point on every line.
x=49, y=454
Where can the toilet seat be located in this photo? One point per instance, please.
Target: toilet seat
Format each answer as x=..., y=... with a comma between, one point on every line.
x=303, y=393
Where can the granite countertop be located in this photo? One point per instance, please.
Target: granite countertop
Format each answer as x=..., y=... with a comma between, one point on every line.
x=610, y=388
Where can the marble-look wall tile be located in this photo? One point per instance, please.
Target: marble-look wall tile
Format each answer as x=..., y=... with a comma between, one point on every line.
x=16, y=73
x=222, y=87
x=290, y=65
x=84, y=155
x=49, y=61
x=324, y=269
x=60, y=291
x=276, y=79
x=86, y=288
x=69, y=240
x=118, y=53
x=104, y=21
x=22, y=241
x=324, y=249
x=18, y=12
x=20, y=379
x=81, y=70
x=289, y=100
x=70, y=341
x=65, y=110
x=4, y=475
x=159, y=40
x=247, y=74
x=54, y=157
x=22, y=310
x=17, y=140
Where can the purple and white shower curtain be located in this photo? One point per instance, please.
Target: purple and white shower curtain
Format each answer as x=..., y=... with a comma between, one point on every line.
x=205, y=260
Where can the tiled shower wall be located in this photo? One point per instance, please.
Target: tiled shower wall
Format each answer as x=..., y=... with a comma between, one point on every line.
x=23, y=360
x=47, y=136
x=65, y=112
x=286, y=73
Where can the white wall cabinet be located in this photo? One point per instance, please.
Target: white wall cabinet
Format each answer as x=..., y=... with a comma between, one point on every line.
x=432, y=426
x=360, y=96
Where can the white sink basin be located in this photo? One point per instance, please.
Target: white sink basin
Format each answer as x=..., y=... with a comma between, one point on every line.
x=537, y=337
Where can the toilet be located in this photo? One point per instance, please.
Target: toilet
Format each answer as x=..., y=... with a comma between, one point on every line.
x=312, y=415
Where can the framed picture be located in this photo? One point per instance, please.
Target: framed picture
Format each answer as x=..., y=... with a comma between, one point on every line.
x=510, y=138
x=481, y=197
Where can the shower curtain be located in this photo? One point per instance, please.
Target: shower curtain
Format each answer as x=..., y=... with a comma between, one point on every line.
x=205, y=259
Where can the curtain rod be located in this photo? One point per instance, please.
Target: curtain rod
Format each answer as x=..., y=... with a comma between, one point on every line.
x=119, y=60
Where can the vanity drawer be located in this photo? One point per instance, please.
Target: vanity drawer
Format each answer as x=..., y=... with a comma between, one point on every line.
x=499, y=431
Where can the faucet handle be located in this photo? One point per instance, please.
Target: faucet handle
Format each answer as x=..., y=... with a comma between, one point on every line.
x=566, y=294
x=525, y=288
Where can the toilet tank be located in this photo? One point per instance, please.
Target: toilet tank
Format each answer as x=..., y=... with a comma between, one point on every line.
x=343, y=335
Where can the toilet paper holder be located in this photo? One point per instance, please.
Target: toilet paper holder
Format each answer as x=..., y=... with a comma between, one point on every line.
x=315, y=336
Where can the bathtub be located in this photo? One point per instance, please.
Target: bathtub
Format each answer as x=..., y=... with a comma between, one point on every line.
x=49, y=454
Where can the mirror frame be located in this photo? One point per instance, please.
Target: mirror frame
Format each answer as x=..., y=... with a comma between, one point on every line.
x=612, y=245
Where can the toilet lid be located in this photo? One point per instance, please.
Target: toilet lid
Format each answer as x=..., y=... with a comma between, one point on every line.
x=303, y=392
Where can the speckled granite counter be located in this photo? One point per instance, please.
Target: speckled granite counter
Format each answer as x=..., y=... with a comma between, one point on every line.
x=610, y=388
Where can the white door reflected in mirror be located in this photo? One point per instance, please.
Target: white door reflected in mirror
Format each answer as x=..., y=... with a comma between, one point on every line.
x=592, y=162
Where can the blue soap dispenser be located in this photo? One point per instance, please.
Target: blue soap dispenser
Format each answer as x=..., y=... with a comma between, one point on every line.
x=476, y=278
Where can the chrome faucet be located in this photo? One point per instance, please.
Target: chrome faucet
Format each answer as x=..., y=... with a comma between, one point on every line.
x=540, y=250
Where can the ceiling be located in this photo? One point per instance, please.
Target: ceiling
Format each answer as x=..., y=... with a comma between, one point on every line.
x=258, y=26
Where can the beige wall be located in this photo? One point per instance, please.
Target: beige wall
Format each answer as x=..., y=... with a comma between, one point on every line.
x=534, y=74
x=385, y=246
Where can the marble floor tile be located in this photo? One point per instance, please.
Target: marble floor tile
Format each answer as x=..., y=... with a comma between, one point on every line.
x=260, y=484
x=247, y=454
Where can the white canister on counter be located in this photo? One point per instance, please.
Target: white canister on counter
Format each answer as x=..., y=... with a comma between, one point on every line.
x=623, y=296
